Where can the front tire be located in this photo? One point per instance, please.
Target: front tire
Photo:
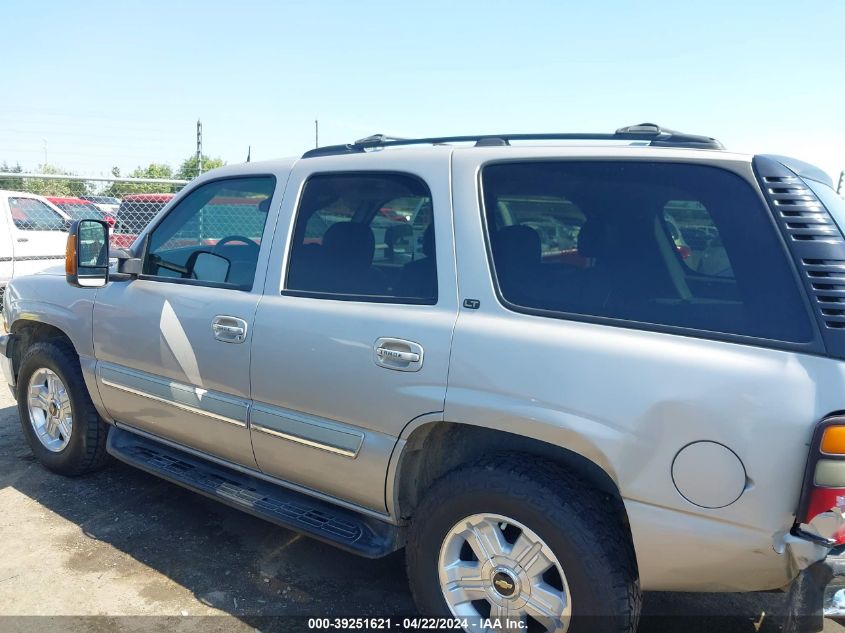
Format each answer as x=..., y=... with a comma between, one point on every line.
x=59, y=421
x=521, y=539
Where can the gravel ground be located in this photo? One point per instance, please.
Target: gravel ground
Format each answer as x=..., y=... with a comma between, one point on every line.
x=123, y=550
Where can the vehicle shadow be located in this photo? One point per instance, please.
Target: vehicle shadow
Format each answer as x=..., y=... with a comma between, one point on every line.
x=255, y=571
x=229, y=560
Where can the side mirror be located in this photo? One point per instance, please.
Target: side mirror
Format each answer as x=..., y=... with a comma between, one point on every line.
x=87, y=254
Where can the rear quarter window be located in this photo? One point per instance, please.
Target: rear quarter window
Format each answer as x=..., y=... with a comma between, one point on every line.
x=661, y=244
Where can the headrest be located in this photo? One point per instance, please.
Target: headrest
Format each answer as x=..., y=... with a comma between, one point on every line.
x=591, y=239
x=518, y=243
x=350, y=244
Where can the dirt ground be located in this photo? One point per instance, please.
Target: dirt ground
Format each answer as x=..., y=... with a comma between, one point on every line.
x=123, y=550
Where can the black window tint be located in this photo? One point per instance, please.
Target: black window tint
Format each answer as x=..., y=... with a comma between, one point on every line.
x=696, y=239
x=365, y=236
x=661, y=243
x=213, y=234
x=556, y=220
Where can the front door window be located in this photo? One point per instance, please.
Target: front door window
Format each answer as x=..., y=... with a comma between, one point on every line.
x=213, y=235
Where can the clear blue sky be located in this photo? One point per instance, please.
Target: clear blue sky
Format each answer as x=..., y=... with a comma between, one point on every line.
x=122, y=83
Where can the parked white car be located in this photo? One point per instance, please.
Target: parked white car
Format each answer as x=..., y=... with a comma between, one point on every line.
x=33, y=234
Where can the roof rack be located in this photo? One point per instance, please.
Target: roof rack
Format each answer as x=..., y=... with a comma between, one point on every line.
x=650, y=132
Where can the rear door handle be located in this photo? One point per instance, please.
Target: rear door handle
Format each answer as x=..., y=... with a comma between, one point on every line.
x=398, y=354
x=229, y=329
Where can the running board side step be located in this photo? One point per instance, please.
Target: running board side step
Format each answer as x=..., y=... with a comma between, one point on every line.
x=343, y=528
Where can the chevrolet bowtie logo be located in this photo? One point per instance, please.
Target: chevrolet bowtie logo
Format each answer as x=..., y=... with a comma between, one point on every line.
x=503, y=584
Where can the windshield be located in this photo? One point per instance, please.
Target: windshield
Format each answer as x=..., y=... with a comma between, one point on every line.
x=81, y=211
x=834, y=203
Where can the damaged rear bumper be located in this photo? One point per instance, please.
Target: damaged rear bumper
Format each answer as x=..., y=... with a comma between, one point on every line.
x=817, y=593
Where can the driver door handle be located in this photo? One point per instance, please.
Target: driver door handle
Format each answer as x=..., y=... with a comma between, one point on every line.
x=229, y=329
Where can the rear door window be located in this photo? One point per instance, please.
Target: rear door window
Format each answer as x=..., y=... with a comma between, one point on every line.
x=367, y=237
x=665, y=244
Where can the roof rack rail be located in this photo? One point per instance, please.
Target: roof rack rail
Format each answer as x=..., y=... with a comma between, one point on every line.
x=650, y=132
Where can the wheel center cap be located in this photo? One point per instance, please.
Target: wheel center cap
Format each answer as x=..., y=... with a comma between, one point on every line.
x=504, y=583
x=54, y=409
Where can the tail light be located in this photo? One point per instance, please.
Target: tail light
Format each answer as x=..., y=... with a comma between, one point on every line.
x=109, y=220
x=824, y=476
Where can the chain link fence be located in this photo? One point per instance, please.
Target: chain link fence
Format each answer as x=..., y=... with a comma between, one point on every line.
x=126, y=204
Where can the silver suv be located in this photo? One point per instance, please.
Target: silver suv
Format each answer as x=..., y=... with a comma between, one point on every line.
x=555, y=373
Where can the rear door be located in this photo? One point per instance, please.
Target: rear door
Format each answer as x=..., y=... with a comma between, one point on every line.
x=351, y=340
x=39, y=234
x=173, y=346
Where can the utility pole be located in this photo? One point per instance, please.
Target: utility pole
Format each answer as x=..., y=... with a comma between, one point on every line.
x=316, y=133
x=46, y=162
x=841, y=185
x=199, y=147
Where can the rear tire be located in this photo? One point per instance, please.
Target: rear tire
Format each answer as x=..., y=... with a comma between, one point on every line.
x=574, y=531
x=59, y=421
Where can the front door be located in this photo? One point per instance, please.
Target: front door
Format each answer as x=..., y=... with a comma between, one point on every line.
x=352, y=342
x=173, y=345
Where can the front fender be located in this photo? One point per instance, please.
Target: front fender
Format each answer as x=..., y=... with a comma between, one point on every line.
x=50, y=300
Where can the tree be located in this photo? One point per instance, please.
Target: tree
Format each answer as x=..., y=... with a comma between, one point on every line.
x=10, y=183
x=54, y=187
x=153, y=170
x=188, y=170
